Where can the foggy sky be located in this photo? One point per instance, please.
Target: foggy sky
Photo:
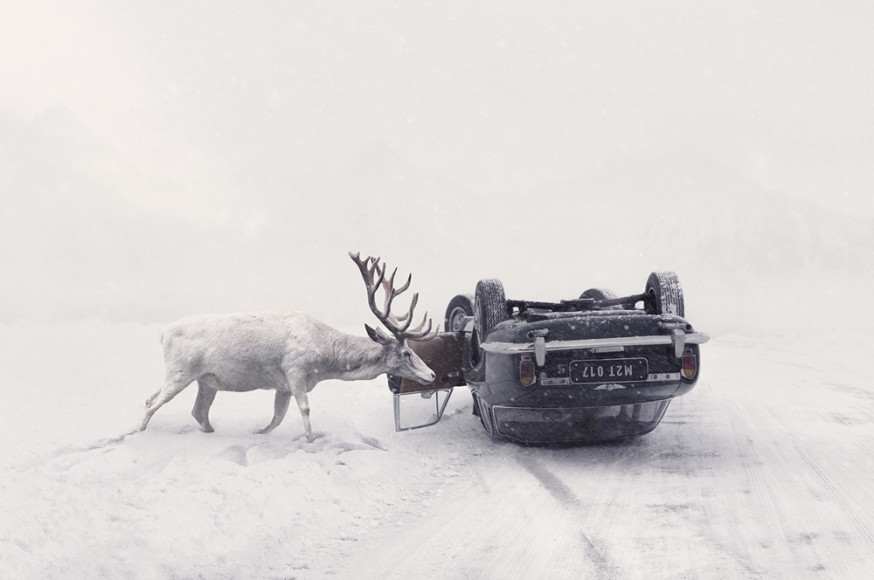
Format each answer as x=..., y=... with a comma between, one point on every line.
x=495, y=94
x=358, y=124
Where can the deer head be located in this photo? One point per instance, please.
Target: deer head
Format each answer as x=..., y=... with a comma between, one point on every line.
x=399, y=358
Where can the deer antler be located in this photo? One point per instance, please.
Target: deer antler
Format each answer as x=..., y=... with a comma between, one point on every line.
x=398, y=325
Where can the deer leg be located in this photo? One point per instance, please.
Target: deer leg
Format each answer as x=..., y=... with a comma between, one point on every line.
x=299, y=389
x=303, y=403
x=280, y=408
x=205, y=397
x=151, y=399
x=172, y=387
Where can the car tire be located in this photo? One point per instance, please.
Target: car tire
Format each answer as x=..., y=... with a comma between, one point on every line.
x=664, y=295
x=599, y=294
x=490, y=307
x=459, y=307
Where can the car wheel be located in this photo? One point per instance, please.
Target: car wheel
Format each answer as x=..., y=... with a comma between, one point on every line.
x=490, y=307
x=664, y=295
x=459, y=307
x=599, y=294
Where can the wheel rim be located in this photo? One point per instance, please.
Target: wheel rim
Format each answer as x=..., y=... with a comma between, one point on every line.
x=653, y=301
x=456, y=319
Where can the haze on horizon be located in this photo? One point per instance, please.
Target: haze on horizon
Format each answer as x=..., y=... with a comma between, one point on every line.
x=228, y=155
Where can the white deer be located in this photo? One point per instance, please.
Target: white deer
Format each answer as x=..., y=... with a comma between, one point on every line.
x=289, y=352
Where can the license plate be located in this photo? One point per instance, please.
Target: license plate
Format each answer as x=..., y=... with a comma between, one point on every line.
x=617, y=370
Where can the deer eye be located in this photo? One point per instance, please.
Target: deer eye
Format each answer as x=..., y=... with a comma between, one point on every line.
x=408, y=354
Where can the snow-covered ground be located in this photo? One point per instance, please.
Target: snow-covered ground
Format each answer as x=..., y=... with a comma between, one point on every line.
x=163, y=158
x=763, y=471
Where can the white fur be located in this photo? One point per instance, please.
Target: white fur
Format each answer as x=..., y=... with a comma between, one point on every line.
x=289, y=352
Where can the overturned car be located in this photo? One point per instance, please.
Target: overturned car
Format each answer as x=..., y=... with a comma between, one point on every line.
x=594, y=368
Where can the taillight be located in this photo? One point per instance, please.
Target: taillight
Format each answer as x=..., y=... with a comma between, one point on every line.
x=526, y=371
x=690, y=364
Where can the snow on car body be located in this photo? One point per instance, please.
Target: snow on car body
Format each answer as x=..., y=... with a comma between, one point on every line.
x=589, y=369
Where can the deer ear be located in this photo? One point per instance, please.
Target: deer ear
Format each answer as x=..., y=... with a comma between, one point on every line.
x=377, y=335
x=374, y=334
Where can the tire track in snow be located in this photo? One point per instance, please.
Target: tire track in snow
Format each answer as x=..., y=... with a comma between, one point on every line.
x=476, y=530
x=568, y=500
x=556, y=488
x=838, y=495
x=604, y=568
x=748, y=461
x=795, y=518
x=847, y=498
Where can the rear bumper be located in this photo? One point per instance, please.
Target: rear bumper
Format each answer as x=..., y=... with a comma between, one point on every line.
x=560, y=345
x=577, y=424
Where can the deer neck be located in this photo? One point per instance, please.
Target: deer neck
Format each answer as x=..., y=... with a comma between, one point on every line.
x=353, y=358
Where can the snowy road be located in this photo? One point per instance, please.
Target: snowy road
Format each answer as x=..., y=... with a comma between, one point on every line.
x=763, y=471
